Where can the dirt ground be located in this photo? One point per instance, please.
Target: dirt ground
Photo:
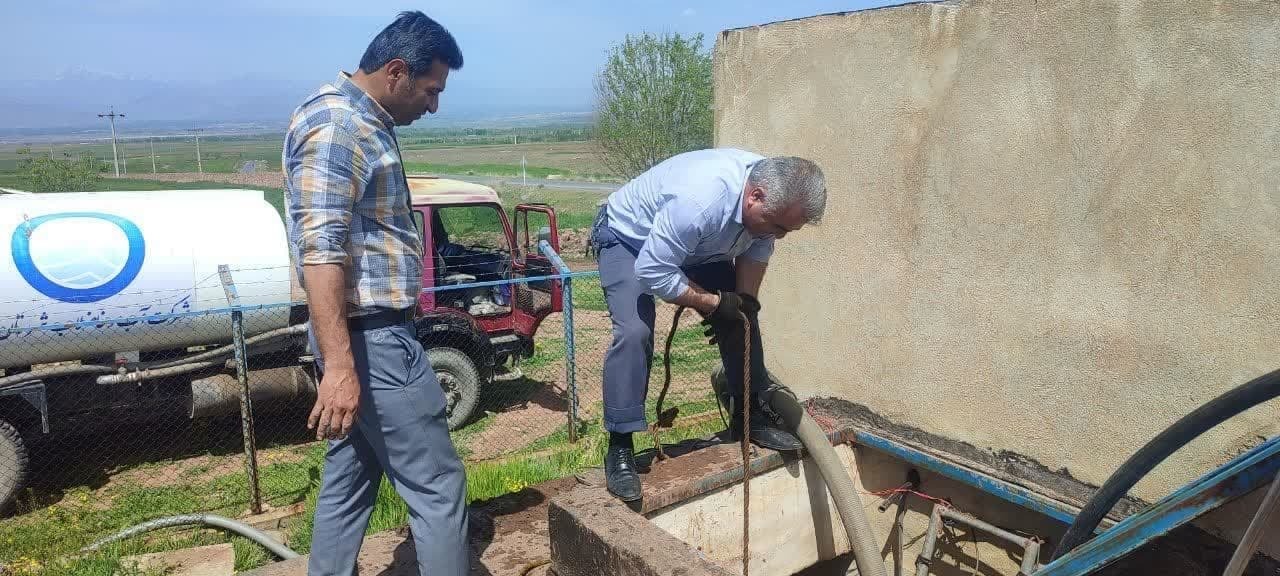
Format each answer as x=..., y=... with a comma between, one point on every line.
x=256, y=180
x=580, y=158
x=508, y=537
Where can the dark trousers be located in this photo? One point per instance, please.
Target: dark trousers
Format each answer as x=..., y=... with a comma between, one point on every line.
x=630, y=356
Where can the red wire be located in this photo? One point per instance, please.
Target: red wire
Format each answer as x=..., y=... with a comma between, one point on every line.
x=892, y=491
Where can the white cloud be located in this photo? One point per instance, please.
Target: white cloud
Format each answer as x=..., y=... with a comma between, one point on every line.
x=689, y=12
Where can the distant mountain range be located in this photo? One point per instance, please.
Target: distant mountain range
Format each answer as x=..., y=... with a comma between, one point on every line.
x=70, y=102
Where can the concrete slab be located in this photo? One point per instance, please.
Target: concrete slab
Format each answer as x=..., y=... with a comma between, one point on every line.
x=216, y=560
x=593, y=533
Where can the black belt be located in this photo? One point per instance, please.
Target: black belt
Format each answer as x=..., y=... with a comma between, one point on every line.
x=382, y=318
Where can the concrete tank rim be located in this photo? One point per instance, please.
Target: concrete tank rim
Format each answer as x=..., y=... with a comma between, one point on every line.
x=900, y=5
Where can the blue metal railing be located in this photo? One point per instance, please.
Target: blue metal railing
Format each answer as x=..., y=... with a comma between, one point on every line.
x=1241, y=475
x=570, y=354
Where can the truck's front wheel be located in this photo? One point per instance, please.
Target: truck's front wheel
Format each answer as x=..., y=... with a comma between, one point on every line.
x=13, y=465
x=459, y=379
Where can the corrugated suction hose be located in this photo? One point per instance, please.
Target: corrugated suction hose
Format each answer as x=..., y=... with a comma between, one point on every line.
x=240, y=528
x=862, y=539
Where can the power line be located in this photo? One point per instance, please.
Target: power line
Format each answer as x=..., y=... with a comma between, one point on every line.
x=199, y=164
x=111, y=113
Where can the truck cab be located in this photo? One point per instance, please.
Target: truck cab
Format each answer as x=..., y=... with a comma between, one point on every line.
x=477, y=312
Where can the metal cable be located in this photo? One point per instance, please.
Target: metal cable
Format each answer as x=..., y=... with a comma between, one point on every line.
x=660, y=419
x=746, y=443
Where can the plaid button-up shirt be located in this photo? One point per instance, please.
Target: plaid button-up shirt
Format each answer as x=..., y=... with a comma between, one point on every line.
x=348, y=199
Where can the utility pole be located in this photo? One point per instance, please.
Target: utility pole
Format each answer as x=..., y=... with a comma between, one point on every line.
x=199, y=164
x=152, y=141
x=111, y=113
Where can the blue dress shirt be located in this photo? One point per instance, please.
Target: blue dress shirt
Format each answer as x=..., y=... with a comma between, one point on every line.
x=685, y=211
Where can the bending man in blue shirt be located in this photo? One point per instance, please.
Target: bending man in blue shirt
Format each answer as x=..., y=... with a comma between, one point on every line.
x=697, y=230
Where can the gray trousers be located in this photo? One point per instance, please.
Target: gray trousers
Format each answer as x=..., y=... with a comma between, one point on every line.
x=630, y=356
x=401, y=431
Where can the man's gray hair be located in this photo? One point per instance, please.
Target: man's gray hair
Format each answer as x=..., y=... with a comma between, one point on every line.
x=787, y=180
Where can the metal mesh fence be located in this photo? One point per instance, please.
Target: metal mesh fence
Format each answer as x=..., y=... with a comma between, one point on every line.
x=692, y=360
x=111, y=417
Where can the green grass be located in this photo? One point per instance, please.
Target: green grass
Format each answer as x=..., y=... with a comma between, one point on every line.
x=229, y=153
x=690, y=352
x=548, y=353
x=575, y=209
x=79, y=518
x=171, y=154
x=588, y=295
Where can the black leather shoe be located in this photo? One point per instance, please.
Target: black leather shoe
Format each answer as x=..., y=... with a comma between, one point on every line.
x=766, y=432
x=620, y=473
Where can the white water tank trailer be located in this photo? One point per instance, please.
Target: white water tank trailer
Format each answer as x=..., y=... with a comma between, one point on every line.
x=91, y=274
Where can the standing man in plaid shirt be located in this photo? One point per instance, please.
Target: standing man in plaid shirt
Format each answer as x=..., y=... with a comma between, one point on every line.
x=360, y=260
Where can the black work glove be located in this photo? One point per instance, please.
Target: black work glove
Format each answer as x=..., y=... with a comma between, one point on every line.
x=724, y=322
x=750, y=306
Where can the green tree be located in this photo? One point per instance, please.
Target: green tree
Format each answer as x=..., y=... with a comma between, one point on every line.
x=653, y=100
x=47, y=173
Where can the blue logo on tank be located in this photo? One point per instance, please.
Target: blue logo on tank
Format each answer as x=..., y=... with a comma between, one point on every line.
x=78, y=257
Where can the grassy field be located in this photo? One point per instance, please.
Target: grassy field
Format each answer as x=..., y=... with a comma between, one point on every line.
x=575, y=160
x=572, y=160
x=171, y=154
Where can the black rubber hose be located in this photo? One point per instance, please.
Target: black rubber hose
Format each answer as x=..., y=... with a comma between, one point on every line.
x=1207, y=416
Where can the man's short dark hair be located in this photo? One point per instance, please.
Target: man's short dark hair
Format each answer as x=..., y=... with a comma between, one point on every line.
x=416, y=39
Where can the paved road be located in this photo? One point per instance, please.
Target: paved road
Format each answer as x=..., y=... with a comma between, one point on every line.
x=605, y=187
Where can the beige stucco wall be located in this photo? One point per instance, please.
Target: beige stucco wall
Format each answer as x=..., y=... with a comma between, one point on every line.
x=1052, y=228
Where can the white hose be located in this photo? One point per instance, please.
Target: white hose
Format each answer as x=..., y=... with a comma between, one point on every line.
x=218, y=521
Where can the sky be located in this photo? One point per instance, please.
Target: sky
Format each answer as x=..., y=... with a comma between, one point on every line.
x=206, y=59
